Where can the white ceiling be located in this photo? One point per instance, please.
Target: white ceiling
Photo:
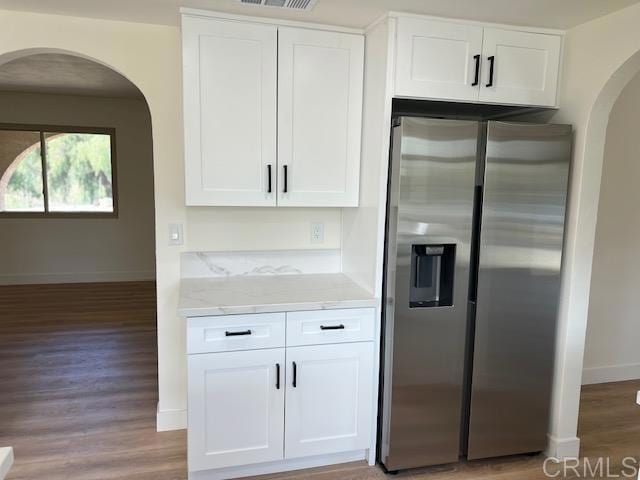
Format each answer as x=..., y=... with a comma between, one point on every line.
x=562, y=14
x=64, y=75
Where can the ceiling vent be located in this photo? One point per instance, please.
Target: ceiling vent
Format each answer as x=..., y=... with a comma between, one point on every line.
x=288, y=4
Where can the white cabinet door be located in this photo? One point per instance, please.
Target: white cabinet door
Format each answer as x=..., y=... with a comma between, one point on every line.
x=437, y=59
x=329, y=399
x=230, y=81
x=525, y=67
x=236, y=408
x=320, y=77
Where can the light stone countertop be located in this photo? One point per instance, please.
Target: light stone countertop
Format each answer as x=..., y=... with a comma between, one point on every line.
x=6, y=460
x=242, y=294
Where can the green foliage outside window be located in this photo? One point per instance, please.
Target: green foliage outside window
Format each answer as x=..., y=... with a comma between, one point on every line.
x=79, y=175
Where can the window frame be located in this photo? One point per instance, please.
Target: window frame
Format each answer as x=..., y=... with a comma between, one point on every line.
x=42, y=130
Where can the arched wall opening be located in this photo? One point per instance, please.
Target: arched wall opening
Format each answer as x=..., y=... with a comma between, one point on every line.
x=613, y=330
x=76, y=173
x=149, y=57
x=589, y=91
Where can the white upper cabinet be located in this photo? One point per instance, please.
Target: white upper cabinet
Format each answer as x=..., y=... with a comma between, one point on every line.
x=260, y=99
x=525, y=67
x=320, y=77
x=437, y=59
x=230, y=81
x=467, y=62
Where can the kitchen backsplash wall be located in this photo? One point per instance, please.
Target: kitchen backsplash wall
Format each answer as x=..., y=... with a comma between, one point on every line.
x=285, y=262
x=259, y=228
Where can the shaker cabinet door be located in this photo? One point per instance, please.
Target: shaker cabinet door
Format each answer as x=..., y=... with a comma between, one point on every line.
x=525, y=67
x=329, y=399
x=230, y=81
x=236, y=408
x=437, y=59
x=320, y=78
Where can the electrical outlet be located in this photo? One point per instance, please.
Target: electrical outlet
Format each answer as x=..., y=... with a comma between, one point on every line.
x=317, y=232
x=176, y=234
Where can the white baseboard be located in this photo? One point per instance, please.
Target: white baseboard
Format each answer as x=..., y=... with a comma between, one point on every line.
x=167, y=420
x=77, y=277
x=611, y=373
x=278, y=466
x=563, y=448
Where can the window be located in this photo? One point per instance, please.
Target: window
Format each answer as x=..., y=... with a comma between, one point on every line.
x=57, y=171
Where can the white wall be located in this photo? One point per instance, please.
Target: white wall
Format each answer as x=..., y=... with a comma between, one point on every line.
x=150, y=56
x=612, y=351
x=49, y=250
x=363, y=228
x=601, y=56
x=259, y=228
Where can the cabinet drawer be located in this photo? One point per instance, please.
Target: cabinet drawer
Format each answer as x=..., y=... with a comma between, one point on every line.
x=235, y=332
x=330, y=326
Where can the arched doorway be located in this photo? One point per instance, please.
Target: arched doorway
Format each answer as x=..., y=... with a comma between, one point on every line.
x=77, y=273
x=588, y=97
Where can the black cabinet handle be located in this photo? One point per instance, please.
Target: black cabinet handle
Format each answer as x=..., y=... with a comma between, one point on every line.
x=269, y=178
x=492, y=60
x=476, y=77
x=332, y=327
x=277, y=376
x=286, y=183
x=237, y=334
x=295, y=375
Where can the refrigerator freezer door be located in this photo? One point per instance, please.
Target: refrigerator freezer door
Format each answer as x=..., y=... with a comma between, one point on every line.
x=430, y=212
x=525, y=193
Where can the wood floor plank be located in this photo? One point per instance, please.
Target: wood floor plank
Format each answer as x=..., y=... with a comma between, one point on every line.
x=78, y=395
x=79, y=384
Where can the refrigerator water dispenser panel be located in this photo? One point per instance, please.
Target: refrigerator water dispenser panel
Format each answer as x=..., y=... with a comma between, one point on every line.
x=432, y=268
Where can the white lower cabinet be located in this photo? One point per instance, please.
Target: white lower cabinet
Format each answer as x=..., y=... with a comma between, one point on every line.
x=329, y=392
x=271, y=408
x=236, y=408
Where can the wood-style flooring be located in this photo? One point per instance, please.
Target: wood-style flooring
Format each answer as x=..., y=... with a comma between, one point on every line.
x=78, y=395
x=78, y=384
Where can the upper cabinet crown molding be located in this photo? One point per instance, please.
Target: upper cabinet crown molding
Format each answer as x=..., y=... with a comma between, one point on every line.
x=466, y=61
x=272, y=113
x=461, y=21
x=196, y=12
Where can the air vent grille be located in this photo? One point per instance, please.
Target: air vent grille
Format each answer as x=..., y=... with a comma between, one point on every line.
x=289, y=4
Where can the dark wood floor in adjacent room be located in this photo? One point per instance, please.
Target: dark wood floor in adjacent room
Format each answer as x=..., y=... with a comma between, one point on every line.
x=78, y=394
x=78, y=384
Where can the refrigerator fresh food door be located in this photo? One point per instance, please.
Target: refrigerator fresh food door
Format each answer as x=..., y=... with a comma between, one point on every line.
x=430, y=213
x=525, y=193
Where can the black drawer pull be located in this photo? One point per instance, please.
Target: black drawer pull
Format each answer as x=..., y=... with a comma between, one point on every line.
x=277, y=376
x=286, y=179
x=237, y=334
x=332, y=327
x=294, y=383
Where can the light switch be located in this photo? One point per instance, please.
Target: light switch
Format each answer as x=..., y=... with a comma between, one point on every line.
x=176, y=236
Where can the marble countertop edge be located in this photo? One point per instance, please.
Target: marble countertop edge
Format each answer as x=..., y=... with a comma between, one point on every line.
x=6, y=460
x=269, y=294
x=274, y=308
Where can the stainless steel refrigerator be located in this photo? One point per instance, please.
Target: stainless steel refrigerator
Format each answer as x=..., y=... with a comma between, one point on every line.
x=475, y=227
